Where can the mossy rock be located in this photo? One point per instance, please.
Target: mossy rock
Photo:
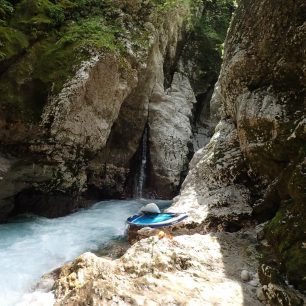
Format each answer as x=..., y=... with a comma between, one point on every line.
x=50, y=62
x=43, y=43
x=286, y=235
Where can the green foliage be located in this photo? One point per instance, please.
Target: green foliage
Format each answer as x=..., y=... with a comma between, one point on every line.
x=84, y=8
x=215, y=21
x=207, y=39
x=35, y=17
x=12, y=42
x=6, y=9
x=42, y=43
x=168, y=4
x=94, y=32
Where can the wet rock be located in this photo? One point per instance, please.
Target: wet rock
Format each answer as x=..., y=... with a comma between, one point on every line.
x=114, y=249
x=45, y=284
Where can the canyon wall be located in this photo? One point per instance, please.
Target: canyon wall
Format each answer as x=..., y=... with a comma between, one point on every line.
x=253, y=169
x=247, y=185
x=80, y=83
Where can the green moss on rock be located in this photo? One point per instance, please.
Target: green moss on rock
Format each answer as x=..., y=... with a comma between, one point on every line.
x=286, y=235
x=44, y=46
x=45, y=41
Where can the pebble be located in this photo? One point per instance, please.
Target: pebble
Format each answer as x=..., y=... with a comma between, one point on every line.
x=260, y=294
x=254, y=283
x=245, y=275
x=45, y=285
x=147, y=232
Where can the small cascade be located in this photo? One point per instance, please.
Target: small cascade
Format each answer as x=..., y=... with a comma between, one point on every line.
x=140, y=177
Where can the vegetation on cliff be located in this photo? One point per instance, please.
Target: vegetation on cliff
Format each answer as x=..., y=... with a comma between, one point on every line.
x=44, y=41
x=207, y=41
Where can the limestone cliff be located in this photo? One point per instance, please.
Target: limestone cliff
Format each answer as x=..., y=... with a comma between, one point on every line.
x=82, y=80
x=254, y=166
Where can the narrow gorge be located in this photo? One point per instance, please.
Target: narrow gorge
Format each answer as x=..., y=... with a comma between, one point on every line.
x=75, y=104
x=201, y=103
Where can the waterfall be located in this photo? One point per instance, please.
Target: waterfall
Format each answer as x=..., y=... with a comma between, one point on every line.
x=140, y=177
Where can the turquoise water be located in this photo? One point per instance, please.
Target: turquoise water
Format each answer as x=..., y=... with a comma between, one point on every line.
x=31, y=246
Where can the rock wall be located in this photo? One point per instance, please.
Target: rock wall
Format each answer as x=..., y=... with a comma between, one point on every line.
x=170, y=114
x=76, y=145
x=254, y=166
x=119, y=157
x=214, y=192
x=83, y=95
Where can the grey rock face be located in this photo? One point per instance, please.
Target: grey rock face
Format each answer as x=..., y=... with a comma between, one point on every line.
x=119, y=156
x=90, y=132
x=213, y=192
x=261, y=92
x=85, y=110
x=170, y=133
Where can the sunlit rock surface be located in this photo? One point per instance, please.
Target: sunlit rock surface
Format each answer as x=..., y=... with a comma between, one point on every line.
x=185, y=270
x=170, y=116
x=213, y=193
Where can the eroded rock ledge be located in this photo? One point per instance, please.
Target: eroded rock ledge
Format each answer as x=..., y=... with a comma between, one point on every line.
x=185, y=270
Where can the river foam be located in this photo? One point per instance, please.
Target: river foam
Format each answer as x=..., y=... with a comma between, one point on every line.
x=31, y=246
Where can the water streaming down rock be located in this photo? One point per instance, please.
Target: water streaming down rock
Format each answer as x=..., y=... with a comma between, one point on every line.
x=140, y=177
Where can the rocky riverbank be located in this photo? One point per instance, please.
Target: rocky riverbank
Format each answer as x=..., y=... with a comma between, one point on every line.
x=183, y=270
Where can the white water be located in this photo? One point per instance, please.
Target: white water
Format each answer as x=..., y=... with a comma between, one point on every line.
x=32, y=246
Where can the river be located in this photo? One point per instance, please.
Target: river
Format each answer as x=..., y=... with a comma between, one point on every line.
x=31, y=246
